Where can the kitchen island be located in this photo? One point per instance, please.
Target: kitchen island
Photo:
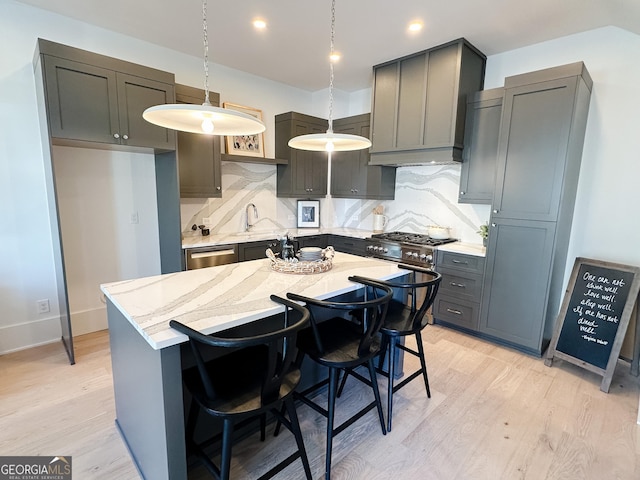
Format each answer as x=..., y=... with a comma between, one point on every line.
x=145, y=351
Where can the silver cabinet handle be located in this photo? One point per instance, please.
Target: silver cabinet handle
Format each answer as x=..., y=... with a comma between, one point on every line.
x=125, y=137
x=116, y=136
x=461, y=193
x=460, y=285
x=493, y=224
x=458, y=261
x=451, y=310
x=495, y=211
x=217, y=188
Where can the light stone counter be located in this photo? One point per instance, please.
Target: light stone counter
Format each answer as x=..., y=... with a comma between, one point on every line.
x=466, y=248
x=217, y=298
x=197, y=240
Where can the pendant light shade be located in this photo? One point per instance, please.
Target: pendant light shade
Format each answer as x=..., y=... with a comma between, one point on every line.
x=204, y=118
x=330, y=142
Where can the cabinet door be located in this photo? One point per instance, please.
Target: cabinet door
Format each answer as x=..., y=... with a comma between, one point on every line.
x=516, y=290
x=348, y=169
x=198, y=155
x=82, y=101
x=534, y=134
x=135, y=95
x=309, y=169
x=256, y=250
x=481, y=134
x=411, y=102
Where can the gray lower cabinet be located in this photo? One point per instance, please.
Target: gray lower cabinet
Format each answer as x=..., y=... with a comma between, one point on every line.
x=539, y=155
x=419, y=102
x=481, y=134
x=305, y=175
x=458, y=299
x=198, y=155
x=351, y=174
x=92, y=98
x=256, y=250
x=354, y=246
x=313, y=241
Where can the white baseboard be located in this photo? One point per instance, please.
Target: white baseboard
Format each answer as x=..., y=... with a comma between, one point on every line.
x=88, y=321
x=29, y=334
x=47, y=330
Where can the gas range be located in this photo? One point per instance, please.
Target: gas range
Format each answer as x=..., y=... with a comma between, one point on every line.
x=410, y=248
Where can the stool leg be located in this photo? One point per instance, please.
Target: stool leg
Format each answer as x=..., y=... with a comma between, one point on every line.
x=423, y=363
x=383, y=351
x=343, y=381
x=225, y=461
x=331, y=408
x=376, y=393
x=263, y=426
x=392, y=367
x=297, y=433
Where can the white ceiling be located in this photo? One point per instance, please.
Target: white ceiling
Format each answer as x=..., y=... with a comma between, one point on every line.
x=294, y=47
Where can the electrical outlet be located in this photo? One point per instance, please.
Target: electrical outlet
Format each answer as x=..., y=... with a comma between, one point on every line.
x=134, y=218
x=43, y=306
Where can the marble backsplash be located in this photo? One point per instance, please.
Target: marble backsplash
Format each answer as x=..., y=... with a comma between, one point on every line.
x=425, y=195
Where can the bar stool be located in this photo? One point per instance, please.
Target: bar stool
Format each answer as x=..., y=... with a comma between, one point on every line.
x=404, y=320
x=339, y=343
x=257, y=375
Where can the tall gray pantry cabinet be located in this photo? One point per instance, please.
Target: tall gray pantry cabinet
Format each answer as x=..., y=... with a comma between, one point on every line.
x=538, y=164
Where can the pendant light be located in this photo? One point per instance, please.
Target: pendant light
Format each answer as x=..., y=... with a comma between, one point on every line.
x=204, y=118
x=330, y=142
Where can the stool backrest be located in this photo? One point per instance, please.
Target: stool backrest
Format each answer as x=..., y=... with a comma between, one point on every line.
x=422, y=291
x=371, y=311
x=280, y=347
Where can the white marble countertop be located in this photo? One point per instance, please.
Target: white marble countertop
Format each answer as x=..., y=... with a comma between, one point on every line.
x=216, y=298
x=197, y=240
x=467, y=248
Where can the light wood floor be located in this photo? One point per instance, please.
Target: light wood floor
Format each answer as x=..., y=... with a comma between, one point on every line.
x=494, y=414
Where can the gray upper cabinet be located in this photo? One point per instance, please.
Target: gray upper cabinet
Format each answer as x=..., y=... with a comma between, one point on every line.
x=419, y=104
x=531, y=172
x=351, y=174
x=481, y=134
x=98, y=99
x=305, y=175
x=538, y=163
x=198, y=155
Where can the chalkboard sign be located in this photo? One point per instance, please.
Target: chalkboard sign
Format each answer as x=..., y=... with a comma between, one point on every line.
x=594, y=316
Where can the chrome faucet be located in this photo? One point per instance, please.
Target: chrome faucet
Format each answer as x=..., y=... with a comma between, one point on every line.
x=247, y=224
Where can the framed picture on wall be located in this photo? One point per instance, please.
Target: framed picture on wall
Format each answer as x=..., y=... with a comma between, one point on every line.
x=308, y=213
x=247, y=145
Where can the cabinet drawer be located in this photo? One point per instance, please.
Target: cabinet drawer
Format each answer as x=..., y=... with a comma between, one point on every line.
x=457, y=312
x=467, y=263
x=462, y=285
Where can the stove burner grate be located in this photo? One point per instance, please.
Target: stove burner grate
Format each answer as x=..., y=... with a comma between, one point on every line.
x=412, y=238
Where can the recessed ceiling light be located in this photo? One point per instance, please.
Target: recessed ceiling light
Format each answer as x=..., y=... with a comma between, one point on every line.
x=259, y=24
x=415, y=26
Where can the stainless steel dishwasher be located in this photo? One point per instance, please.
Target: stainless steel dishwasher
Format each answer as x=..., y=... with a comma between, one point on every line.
x=202, y=257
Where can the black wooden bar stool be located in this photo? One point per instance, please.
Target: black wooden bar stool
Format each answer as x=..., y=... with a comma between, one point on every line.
x=257, y=376
x=403, y=320
x=338, y=343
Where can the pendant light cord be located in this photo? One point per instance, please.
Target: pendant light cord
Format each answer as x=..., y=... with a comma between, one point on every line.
x=205, y=39
x=333, y=34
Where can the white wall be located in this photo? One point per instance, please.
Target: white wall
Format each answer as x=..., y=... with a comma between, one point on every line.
x=98, y=192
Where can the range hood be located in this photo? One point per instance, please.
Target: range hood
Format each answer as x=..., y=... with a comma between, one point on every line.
x=419, y=105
